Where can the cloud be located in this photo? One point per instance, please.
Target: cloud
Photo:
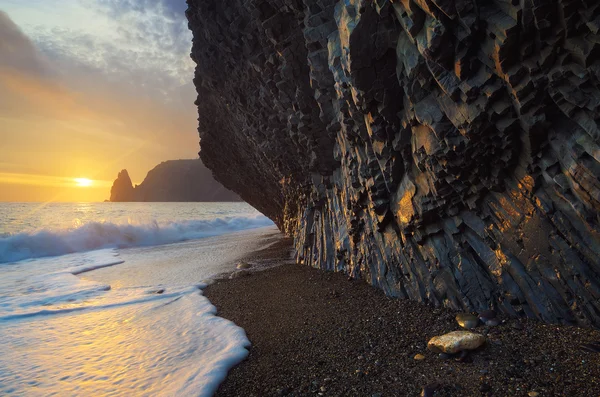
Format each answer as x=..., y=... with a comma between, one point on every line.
x=18, y=52
x=26, y=78
x=172, y=9
x=143, y=46
x=96, y=97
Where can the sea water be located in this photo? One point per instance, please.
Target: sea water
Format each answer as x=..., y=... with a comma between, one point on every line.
x=105, y=299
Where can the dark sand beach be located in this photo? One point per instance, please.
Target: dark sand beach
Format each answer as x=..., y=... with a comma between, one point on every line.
x=319, y=333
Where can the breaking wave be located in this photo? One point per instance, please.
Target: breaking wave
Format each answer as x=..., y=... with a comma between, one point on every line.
x=99, y=235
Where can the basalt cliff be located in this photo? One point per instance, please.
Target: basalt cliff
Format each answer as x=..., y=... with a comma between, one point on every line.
x=447, y=151
x=173, y=180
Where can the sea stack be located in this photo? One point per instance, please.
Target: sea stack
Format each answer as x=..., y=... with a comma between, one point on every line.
x=444, y=151
x=122, y=189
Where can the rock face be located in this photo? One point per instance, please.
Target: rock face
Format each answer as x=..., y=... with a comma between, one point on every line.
x=445, y=151
x=174, y=180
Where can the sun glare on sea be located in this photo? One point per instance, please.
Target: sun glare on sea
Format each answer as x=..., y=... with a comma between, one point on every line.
x=83, y=182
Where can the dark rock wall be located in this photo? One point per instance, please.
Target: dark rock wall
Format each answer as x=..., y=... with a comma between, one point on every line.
x=445, y=151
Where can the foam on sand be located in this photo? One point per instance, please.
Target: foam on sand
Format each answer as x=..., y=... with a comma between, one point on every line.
x=64, y=335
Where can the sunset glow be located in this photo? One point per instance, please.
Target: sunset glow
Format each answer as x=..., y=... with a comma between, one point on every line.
x=85, y=99
x=83, y=182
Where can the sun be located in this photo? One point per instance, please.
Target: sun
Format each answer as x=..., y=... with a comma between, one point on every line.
x=83, y=182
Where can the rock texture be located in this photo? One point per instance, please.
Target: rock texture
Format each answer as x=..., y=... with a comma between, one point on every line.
x=173, y=180
x=445, y=151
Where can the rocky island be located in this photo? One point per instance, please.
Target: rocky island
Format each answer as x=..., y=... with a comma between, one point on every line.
x=444, y=151
x=173, y=180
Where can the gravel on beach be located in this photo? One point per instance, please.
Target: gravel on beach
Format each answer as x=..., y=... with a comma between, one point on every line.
x=317, y=333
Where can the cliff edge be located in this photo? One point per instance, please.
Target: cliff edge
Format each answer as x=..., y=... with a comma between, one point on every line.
x=173, y=180
x=445, y=151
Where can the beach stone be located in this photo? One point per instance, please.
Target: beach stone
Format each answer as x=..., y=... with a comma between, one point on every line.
x=464, y=357
x=240, y=274
x=492, y=322
x=429, y=390
x=419, y=357
x=533, y=394
x=243, y=265
x=456, y=341
x=467, y=320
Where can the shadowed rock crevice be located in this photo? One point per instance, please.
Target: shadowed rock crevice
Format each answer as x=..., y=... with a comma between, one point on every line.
x=445, y=151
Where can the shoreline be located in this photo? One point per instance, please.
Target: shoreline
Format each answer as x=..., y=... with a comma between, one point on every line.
x=195, y=261
x=319, y=333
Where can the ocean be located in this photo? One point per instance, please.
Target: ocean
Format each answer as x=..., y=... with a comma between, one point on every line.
x=106, y=298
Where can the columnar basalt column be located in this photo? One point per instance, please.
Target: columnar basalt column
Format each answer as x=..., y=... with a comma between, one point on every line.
x=445, y=151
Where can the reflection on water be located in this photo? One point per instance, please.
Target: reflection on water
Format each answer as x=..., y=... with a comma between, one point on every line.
x=171, y=346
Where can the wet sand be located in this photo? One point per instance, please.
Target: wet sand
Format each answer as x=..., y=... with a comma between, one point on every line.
x=316, y=333
x=189, y=262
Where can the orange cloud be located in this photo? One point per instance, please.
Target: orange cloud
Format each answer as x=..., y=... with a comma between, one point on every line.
x=41, y=98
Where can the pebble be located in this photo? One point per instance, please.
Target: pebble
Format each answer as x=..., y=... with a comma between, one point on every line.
x=456, y=341
x=484, y=387
x=445, y=356
x=429, y=390
x=487, y=315
x=464, y=357
x=240, y=273
x=419, y=357
x=244, y=265
x=492, y=322
x=533, y=394
x=467, y=320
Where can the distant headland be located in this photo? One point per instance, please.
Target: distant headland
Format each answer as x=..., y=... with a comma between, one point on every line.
x=173, y=180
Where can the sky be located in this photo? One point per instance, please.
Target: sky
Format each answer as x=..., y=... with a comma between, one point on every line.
x=90, y=87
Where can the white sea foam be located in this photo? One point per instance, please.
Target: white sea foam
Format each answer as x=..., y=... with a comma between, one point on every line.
x=65, y=335
x=99, y=235
x=138, y=325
